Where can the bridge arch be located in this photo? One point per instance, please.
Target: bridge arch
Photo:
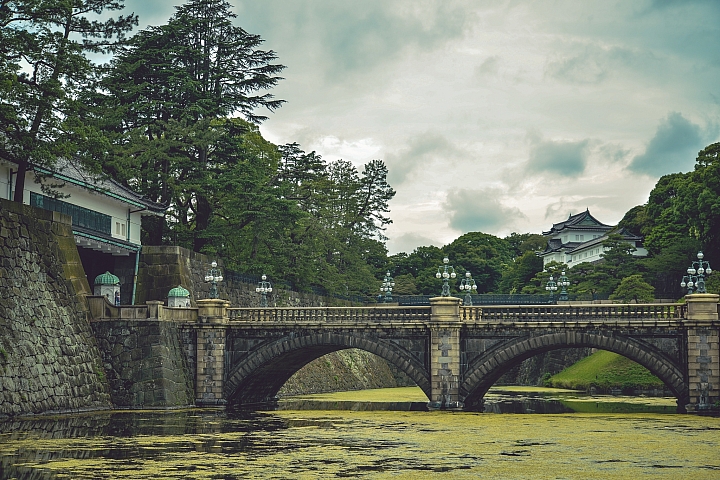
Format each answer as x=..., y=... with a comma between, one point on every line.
x=257, y=378
x=485, y=370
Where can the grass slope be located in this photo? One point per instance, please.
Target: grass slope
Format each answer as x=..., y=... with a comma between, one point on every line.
x=604, y=370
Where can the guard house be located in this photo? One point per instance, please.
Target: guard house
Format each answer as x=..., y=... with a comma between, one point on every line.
x=106, y=217
x=580, y=239
x=178, y=297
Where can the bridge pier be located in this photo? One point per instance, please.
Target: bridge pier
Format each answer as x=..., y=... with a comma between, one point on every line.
x=210, y=350
x=445, y=326
x=703, y=351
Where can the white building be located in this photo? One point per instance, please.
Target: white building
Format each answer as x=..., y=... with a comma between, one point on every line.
x=106, y=217
x=580, y=239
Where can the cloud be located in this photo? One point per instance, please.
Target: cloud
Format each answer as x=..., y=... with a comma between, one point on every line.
x=672, y=149
x=420, y=151
x=592, y=62
x=585, y=68
x=561, y=158
x=410, y=241
x=352, y=36
x=490, y=66
x=480, y=210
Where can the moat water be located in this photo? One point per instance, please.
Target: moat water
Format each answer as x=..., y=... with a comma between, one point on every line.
x=353, y=434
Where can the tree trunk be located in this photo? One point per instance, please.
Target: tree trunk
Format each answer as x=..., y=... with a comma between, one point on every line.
x=20, y=182
x=202, y=221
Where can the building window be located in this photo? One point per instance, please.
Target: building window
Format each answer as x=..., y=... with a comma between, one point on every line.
x=81, y=217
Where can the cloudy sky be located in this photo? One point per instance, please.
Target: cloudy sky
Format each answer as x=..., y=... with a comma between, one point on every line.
x=493, y=116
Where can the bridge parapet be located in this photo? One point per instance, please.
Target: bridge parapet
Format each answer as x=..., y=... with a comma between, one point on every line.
x=102, y=310
x=575, y=313
x=358, y=315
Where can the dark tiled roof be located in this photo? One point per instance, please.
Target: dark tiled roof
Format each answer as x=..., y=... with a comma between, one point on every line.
x=72, y=172
x=556, y=245
x=580, y=221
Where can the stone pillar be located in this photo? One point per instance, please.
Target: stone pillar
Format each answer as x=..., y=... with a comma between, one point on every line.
x=211, y=332
x=445, y=326
x=703, y=350
x=154, y=311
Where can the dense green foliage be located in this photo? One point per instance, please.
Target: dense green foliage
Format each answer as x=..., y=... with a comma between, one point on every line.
x=174, y=115
x=634, y=289
x=178, y=105
x=44, y=68
x=168, y=98
x=498, y=265
x=604, y=370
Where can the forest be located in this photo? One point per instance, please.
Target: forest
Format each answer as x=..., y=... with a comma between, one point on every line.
x=174, y=114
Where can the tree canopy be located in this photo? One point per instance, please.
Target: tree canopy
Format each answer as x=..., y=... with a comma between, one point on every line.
x=175, y=116
x=44, y=68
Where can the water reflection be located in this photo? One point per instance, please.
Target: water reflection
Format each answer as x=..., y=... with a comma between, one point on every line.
x=351, y=439
x=498, y=400
x=212, y=444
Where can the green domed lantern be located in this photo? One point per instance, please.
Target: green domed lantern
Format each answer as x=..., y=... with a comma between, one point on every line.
x=178, y=297
x=108, y=286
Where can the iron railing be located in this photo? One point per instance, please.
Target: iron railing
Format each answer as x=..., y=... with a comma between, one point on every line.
x=483, y=299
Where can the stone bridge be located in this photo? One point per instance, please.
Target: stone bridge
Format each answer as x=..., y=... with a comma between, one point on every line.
x=243, y=356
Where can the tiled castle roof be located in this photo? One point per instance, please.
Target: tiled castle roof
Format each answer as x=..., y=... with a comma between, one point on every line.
x=580, y=221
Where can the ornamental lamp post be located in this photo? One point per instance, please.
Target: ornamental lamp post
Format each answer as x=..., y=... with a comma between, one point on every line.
x=264, y=287
x=468, y=284
x=387, y=287
x=551, y=286
x=564, y=283
x=696, y=275
x=213, y=276
x=446, y=271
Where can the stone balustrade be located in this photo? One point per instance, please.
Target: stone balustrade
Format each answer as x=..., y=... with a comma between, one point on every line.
x=331, y=314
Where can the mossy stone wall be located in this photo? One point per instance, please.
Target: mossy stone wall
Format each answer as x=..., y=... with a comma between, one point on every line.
x=145, y=363
x=49, y=360
x=350, y=369
x=162, y=268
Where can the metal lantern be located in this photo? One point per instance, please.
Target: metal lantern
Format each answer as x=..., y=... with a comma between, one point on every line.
x=386, y=288
x=468, y=285
x=551, y=287
x=213, y=277
x=264, y=287
x=563, y=283
x=446, y=272
x=696, y=275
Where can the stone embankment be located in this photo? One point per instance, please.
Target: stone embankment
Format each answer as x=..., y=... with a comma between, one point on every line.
x=145, y=363
x=350, y=369
x=49, y=360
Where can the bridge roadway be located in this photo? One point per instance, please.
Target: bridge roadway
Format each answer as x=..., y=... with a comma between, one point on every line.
x=243, y=356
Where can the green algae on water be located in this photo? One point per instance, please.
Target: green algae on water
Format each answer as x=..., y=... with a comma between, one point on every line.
x=320, y=444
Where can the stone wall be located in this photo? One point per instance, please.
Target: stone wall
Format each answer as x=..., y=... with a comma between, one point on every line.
x=145, y=363
x=350, y=369
x=533, y=370
x=162, y=268
x=49, y=360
